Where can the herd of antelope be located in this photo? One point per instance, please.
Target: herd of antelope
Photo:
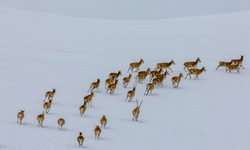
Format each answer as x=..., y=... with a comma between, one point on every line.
x=156, y=78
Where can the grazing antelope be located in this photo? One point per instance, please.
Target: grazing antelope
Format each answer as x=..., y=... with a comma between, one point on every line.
x=103, y=121
x=60, y=122
x=126, y=80
x=88, y=98
x=135, y=65
x=149, y=87
x=20, y=116
x=130, y=94
x=47, y=106
x=165, y=65
x=233, y=67
x=223, y=64
x=176, y=79
x=112, y=87
x=136, y=111
x=97, y=132
x=50, y=95
x=192, y=64
x=94, y=85
x=40, y=119
x=195, y=72
x=115, y=75
x=83, y=108
x=154, y=73
x=109, y=81
x=238, y=61
x=159, y=81
x=80, y=139
x=140, y=77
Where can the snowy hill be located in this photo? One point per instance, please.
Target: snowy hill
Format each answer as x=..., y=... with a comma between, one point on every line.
x=39, y=52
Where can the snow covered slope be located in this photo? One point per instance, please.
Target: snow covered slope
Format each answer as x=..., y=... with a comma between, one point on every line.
x=39, y=52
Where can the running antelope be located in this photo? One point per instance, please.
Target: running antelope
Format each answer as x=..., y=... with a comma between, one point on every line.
x=130, y=94
x=47, y=106
x=50, y=95
x=94, y=85
x=176, y=79
x=97, y=132
x=126, y=80
x=80, y=139
x=233, y=67
x=195, y=72
x=103, y=121
x=136, y=111
x=159, y=81
x=238, y=61
x=165, y=65
x=88, y=98
x=109, y=81
x=40, y=119
x=112, y=87
x=192, y=64
x=145, y=73
x=20, y=116
x=115, y=75
x=83, y=108
x=162, y=75
x=149, y=87
x=223, y=64
x=154, y=73
x=135, y=65
x=60, y=122
x=140, y=77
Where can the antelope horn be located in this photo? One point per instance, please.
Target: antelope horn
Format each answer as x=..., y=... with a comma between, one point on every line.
x=140, y=104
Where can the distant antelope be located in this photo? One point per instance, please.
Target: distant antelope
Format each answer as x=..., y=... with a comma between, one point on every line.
x=60, y=122
x=238, y=61
x=223, y=64
x=94, y=85
x=40, y=119
x=149, y=87
x=136, y=111
x=20, y=116
x=47, y=106
x=130, y=94
x=126, y=80
x=154, y=73
x=135, y=65
x=115, y=75
x=97, y=132
x=165, y=65
x=140, y=77
x=109, y=81
x=112, y=87
x=176, y=79
x=50, y=95
x=233, y=67
x=88, y=98
x=103, y=121
x=159, y=81
x=83, y=108
x=80, y=139
x=192, y=64
x=195, y=72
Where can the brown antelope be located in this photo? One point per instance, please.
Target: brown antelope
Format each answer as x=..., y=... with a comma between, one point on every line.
x=154, y=73
x=195, y=72
x=238, y=61
x=159, y=81
x=83, y=108
x=126, y=80
x=192, y=64
x=165, y=65
x=88, y=98
x=20, y=116
x=136, y=111
x=47, y=106
x=176, y=79
x=223, y=64
x=112, y=87
x=80, y=139
x=40, y=119
x=233, y=67
x=162, y=75
x=97, y=132
x=115, y=75
x=149, y=87
x=94, y=85
x=130, y=94
x=140, y=77
x=109, y=81
x=103, y=121
x=135, y=65
x=145, y=73
x=60, y=122
x=50, y=95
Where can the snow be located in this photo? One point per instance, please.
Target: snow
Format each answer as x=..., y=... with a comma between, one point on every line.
x=39, y=52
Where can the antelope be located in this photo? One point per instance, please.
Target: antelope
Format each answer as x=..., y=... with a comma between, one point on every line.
x=83, y=108
x=149, y=87
x=196, y=72
x=103, y=121
x=80, y=139
x=140, y=77
x=165, y=65
x=136, y=111
x=135, y=65
x=145, y=73
x=109, y=81
x=223, y=64
x=153, y=73
x=192, y=64
x=162, y=75
x=60, y=122
x=126, y=80
x=20, y=116
x=115, y=75
x=40, y=119
x=47, y=106
x=130, y=94
x=88, y=98
x=94, y=85
x=238, y=61
x=176, y=79
x=97, y=132
x=233, y=67
x=159, y=81
x=112, y=87
x=50, y=95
